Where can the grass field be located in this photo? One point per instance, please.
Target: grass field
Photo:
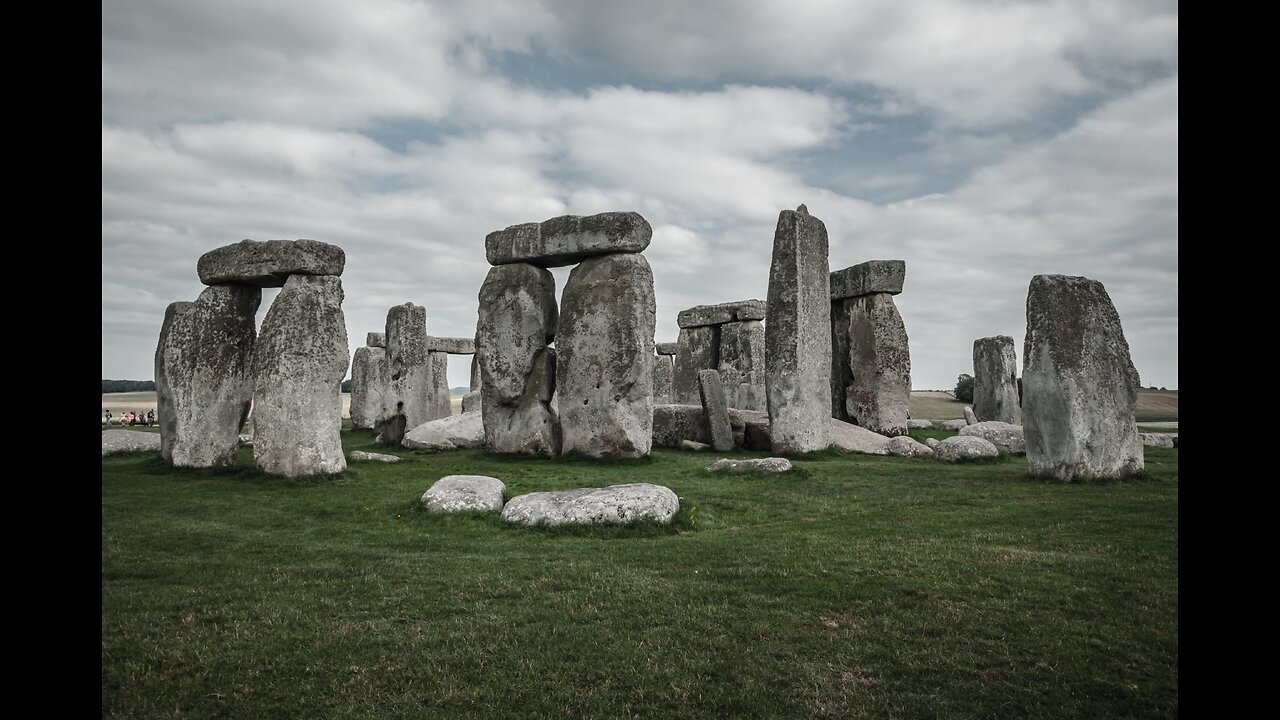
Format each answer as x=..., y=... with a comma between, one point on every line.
x=861, y=586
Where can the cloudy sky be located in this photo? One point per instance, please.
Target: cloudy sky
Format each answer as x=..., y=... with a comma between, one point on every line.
x=982, y=142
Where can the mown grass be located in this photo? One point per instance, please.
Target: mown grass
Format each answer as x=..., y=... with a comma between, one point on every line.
x=862, y=586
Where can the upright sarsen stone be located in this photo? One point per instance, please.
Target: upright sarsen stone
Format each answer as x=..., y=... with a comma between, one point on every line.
x=440, y=405
x=798, y=335
x=298, y=368
x=604, y=349
x=166, y=411
x=1080, y=388
x=716, y=410
x=406, y=403
x=698, y=349
x=206, y=362
x=663, y=372
x=517, y=320
x=368, y=383
x=742, y=364
x=995, y=380
x=878, y=394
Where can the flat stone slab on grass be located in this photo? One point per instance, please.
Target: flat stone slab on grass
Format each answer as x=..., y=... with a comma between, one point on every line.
x=767, y=465
x=904, y=446
x=378, y=457
x=694, y=445
x=853, y=438
x=1006, y=437
x=964, y=447
x=269, y=263
x=612, y=505
x=568, y=239
x=120, y=441
x=455, y=432
x=459, y=493
x=1161, y=440
x=954, y=424
x=914, y=424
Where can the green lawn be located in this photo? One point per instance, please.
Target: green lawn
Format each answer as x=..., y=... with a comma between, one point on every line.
x=861, y=586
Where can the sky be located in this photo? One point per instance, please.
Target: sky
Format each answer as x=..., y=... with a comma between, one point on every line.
x=981, y=142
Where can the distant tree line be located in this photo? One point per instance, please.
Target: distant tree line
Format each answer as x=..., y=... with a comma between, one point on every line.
x=114, y=386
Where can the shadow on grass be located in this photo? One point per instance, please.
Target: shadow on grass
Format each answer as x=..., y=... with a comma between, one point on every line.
x=156, y=465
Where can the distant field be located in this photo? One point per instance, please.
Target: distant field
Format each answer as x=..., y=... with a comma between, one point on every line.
x=119, y=403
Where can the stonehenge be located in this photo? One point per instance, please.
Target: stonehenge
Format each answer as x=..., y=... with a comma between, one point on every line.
x=870, y=356
x=370, y=379
x=406, y=401
x=727, y=338
x=995, y=380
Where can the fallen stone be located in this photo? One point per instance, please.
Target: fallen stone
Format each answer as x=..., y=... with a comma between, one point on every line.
x=122, y=441
x=695, y=446
x=969, y=417
x=269, y=263
x=675, y=423
x=766, y=465
x=904, y=446
x=964, y=447
x=740, y=310
x=1006, y=437
x=461, y=493
x=1160, y=440
x=869, y=278
x=995, y=380
x=933, y=443
x=568, y=239
x=851, y=438
x=954, y=424
x=452, y=346
x=455, y=432
x=376, y=457
x=615, y=504
x=716, y=410
x=914, y=424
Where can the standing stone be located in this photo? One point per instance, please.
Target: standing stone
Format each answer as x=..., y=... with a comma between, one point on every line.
x=166, y=410
x=995, y=380
x=475, y=373
x=368, y=383
x=663, y=373
x=742, y=364
x=441, y=405
x=717, y=412
x=798, y=335
x=517, y=320
x=206, y=359
x=605, y=353
x=406, y=403
x=969, y=417
x=298, y=368
x=871, y=371
x=1080, y=386
x=471, y=402
x=698, y=349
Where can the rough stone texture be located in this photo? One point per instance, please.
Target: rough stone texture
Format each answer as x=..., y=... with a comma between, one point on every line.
x=933, y=443
x=755, y=430
x=460, y=493
x=852, y=438
x=663, y=374
x=298, y=369
x=695, y=446
x=121, y=441
x=742, y=364
x=455, y=432
x=954, y=424
x=716, y=410
x=407, y=401
x=452, y=346
x=673, y=424
x=471, y=402
x=914, y=424
x=869, y=278
x=374, y=339
x=568, y=239
x=698, y=349
x=476, y=380
x=615, y=504
x=441, y=406
x=798, y=335
x=969, y=416
x=369, y=378
x=373, y=456
x=1080, y=388
x=1160, y=440
x=517, y=319
x=166, y=413
x=668, y=348
x=964, y=447
x=604, y=351
x=871, y=364
x=246, y=439
x=269, y=263
x=205, y=359
x=904, y=446
x=767, y=465
x=1006, y=437
x=739, y=310
x=995, y=380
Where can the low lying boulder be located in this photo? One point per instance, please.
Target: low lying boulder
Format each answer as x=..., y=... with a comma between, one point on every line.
x=1160, y=440
x=954, y=424
x=459, y=493
x=964, y=447
x=121, y=441
x=768, y=465
x=455, y=432
x=376, y=457
x=914, y=424
x=904, y=446
x=615, y=504
x=853, y=438
x=1006, y=437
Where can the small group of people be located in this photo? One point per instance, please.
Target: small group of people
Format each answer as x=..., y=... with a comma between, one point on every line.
x=134, y=418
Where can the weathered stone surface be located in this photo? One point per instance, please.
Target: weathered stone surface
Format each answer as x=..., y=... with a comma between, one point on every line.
x=205, y=362
x=269, y=263
x=615, y=504
x=742, y=364
x=517, y=319
x=716, y=410
x=1007, y=438
x=604, y=351
x=375, y=339
x=369, y=379
x=476, y=380
x=1080, y=388
x=798, y=335
x=374, y=457
x=298, y=367
x=914, y=424
x=904, y=446
x=121, y=441
x=1160, y=440
x=568, y=239
x=451, y=345
x=697, y=350
x=407, y=400
x=739, y=310
x=766, y=465
x=456, y=432
x=673, y=424
x=954, y=424
x=663, y=375
x=871, y=364
x=755, y=429
x=441, y=405
x=868, y=278
x=969, y=417
x=695, y=446
x=667, y=348
x=852, y=438
x=995, y=380
x=471, y=402
x=246, y=438
x=933, y=443
x=460, y=493
x=964, y=447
